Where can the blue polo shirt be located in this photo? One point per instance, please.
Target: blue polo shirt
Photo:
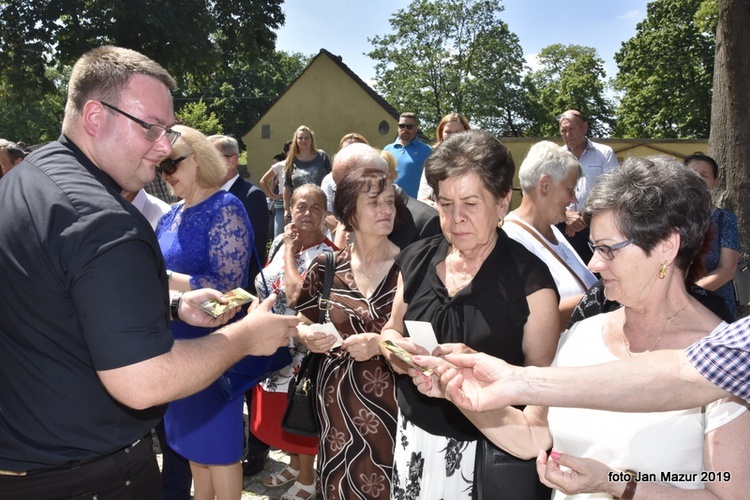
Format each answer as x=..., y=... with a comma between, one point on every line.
x=409, y=164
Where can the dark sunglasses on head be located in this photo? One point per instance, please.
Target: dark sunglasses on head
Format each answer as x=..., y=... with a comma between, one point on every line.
x=407, y=126
x=169, y=166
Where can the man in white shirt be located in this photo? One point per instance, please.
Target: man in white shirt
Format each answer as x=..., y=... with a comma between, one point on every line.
x=595, y=159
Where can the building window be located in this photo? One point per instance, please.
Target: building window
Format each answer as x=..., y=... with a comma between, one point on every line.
x=265, y=132
x=384, y=128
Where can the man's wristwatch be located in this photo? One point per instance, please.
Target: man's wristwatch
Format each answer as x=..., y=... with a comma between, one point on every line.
x=174, y=305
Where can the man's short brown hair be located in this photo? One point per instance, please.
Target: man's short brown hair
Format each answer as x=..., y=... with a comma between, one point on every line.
x=104, y=72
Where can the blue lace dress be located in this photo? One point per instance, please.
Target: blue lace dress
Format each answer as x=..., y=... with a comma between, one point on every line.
x=210, y=242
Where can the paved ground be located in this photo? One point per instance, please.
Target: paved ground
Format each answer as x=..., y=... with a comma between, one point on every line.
x=253, y=487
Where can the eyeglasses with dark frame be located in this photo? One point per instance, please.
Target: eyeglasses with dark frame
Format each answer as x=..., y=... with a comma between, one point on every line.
x=407, y=126
x=169, y=165
x=154, y=132
x=608, y=251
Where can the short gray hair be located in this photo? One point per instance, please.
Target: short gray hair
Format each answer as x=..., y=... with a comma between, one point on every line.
x=546, y=157
x=227, y=145
x=651, y=198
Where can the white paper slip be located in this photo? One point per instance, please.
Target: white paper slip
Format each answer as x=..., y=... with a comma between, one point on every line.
x=421, y=333
x=328, y=329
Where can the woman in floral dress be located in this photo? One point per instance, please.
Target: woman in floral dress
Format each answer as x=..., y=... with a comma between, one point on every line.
x=356, y=389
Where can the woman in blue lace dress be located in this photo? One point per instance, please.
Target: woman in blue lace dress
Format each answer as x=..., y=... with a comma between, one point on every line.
x=721, y=259
x=205, y=241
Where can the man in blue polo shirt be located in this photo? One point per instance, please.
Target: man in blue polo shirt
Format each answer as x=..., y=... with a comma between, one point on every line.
x=410, y=154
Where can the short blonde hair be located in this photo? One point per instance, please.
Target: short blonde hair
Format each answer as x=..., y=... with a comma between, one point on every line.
x=212, y=169
x=390, y=160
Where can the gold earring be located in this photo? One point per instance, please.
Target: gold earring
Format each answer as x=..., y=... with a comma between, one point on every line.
x=663, y=270
x=501, y=222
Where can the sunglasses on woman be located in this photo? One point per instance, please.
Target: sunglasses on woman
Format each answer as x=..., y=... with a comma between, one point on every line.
x=169, y=166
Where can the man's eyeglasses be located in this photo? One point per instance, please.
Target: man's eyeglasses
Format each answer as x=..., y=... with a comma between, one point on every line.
x=169, y=166
x=153, y=132
x=608, y=251
x=407, y=126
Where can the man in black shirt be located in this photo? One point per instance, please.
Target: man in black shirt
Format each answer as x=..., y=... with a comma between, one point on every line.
x=87, y=360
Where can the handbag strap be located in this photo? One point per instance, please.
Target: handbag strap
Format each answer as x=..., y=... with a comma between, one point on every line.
x=325, y=293
x=550, y=250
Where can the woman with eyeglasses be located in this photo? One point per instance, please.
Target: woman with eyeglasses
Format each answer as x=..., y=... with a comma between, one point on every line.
x=647, y=220
x=205, y=240
x=304, y=165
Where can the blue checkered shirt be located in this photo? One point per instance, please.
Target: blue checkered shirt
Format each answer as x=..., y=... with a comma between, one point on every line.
x=724, y=358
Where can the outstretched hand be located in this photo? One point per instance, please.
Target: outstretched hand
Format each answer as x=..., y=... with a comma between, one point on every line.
x=396, y=363
x=264, y=332
x=474, y=381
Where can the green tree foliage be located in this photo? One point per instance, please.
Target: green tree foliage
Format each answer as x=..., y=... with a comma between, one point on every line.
x=665, y=73
x=197, y=116
x=187, y=36
x=240, y=92
x=36, y=117
x=569, y=77
x=452, y=56
x=221, y=52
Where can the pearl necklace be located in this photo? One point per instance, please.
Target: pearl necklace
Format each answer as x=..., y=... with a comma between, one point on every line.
x=626, y=344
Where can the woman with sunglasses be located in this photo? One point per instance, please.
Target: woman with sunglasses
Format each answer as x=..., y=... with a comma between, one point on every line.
x=648, y=220
x=205, y=240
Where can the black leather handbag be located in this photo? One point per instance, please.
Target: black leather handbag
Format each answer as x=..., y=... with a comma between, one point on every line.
x=501, y=476
x=301, y=415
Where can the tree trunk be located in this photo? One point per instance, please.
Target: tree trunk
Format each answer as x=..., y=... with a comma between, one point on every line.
x=729, y=141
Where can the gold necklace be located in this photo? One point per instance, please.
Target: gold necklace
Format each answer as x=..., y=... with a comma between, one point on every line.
x=626, y=344
x=371, y=276
x=377, y=272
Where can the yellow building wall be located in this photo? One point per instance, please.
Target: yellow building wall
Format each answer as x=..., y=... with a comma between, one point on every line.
x=330, y=103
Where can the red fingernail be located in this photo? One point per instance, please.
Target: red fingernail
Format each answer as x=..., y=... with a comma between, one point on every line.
x=555, y=455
